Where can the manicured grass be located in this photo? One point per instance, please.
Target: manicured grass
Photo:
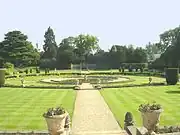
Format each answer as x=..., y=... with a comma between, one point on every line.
x=22, y=109
x=124, y=100
x=138, y=80
x=35, y=80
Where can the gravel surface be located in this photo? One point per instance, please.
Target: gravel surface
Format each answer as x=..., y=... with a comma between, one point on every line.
x=92, y=114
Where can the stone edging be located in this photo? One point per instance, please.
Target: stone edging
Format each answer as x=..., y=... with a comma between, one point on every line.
x=33, y=132
x=24, y=133
x=132, y=130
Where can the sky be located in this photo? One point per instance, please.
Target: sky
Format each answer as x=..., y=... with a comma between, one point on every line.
x=121, y=22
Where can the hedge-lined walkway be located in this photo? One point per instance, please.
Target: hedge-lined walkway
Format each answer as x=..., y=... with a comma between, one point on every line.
x=92, y=115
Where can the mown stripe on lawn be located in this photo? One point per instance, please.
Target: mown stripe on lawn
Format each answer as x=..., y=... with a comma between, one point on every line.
x=24, y=108
x=41, y=123
x=16, y=116
x=128, y=99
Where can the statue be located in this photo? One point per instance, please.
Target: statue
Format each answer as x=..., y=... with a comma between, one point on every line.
x=22, y=82
x=99, y=81
x=150, y=80
x=85, y=78
x=77, y=81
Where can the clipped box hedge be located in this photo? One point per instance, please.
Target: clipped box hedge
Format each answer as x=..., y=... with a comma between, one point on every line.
x=2, y=76
x=172, y=76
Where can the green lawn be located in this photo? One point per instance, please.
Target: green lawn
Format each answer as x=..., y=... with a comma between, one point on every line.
x=35, y=80
x=124, y=100
x=22, y=109
x=137, y=80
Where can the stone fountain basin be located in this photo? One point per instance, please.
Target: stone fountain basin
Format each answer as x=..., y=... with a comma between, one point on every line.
x=90, y=79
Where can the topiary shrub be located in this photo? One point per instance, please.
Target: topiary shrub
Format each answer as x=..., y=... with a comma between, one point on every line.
x=141, y=69
x=2, y=76
x=26, y=71
x=123, y=70
x=46, y=71
x=2, y=72
x=37, y=70
x=130, y=69
x=31, y=70
x=172, y=75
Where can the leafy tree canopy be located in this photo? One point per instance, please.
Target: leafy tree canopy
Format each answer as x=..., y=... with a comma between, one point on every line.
x=16, y=49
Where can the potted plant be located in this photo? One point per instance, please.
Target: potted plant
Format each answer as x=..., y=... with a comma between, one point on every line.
x=76, y=87
x=150, y=115
x=55, y=119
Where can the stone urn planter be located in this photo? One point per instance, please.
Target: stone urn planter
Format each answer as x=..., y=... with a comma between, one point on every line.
x=55, y=119
x=150, y=114
x=98, y=87
x=2, y=76
x=77, y=87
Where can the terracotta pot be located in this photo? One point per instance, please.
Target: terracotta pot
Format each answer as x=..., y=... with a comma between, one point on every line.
x=151, y=119
x=56, y=124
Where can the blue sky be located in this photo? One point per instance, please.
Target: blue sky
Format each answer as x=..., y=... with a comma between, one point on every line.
x=120, y=22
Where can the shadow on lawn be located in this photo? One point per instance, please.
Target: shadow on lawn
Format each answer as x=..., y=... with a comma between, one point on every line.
x=173, y=92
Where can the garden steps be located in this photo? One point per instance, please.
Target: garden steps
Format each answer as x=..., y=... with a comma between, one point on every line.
x=86, y=86
x=92, y=115
x=122, y=132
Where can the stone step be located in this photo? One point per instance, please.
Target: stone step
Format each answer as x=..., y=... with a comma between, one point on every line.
x=117, y=132
x=86, y=86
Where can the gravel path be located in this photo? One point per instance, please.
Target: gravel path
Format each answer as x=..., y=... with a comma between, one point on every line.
x=92, y=114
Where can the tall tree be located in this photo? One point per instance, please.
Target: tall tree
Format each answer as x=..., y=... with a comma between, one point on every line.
x=50, y=46
x=170, y=46
x=16, y=49
x=85, y=44
x=130, y=54
x=152, y=50
x=65, y=52
x=168, y=38
x=117, y=55
x=140, y=55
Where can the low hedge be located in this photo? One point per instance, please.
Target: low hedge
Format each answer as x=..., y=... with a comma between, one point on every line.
x=65, y=82
x=157, y=74
x=40, y=87
x=134, y=85
x=72, y=87
x=134, y=65
x=160, y=74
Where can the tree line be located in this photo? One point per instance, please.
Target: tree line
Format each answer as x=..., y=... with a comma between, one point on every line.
x=84, y=49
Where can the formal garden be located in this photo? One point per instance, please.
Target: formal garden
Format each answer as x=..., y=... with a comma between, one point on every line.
x=24, y=103
x=128, y=83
